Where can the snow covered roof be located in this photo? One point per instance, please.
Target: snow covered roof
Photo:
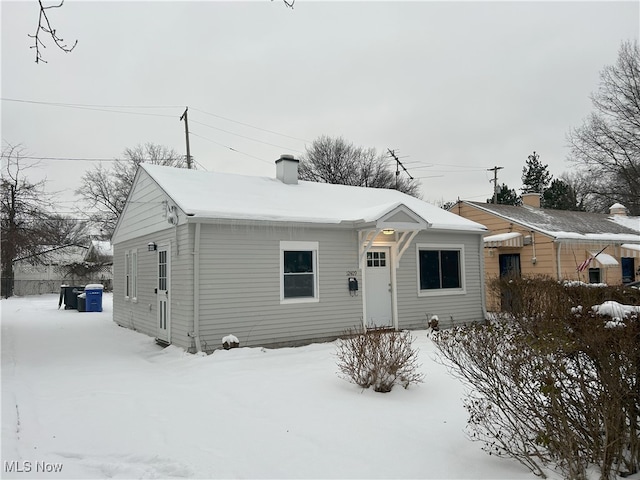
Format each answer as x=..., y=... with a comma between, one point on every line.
x=100, y=249
x=229, y=196
x=568, y=225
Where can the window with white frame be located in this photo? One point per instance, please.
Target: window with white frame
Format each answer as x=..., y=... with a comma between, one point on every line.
x=127, y=275
x=298, y=271
x=440, y=269
x=131, y=274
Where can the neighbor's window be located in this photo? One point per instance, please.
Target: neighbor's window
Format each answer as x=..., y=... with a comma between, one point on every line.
x=594, y=275
x=440, y=269
x=299, y=271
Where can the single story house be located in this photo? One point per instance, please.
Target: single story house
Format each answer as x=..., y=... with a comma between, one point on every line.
x=566, y=245
x=276, y=261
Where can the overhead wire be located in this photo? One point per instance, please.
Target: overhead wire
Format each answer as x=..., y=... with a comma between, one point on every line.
x=251, y=126
x=228, y=147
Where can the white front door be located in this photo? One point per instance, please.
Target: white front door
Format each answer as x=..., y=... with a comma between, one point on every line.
x=377, y=280
x=164, y=305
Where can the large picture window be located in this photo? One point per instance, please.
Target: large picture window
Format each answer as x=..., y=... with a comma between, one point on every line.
x=440, y=269
x=299, y=271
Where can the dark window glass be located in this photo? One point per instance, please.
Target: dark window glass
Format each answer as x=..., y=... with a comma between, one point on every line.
x=439, y=269
x=450, y=267
x=298, y=262
x=299, y=277
x=429, y=269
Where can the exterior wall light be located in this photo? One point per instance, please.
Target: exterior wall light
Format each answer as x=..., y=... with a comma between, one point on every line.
x=388, y=231
x=152, y=247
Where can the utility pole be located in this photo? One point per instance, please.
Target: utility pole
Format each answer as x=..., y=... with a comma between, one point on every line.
x=495, y=182
x=186, y=133
x=398, y=165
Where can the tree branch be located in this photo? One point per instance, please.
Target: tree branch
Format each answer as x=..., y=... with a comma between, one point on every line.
x=44, y=25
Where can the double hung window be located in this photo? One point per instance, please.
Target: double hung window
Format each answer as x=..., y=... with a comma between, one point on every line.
x=298, y=272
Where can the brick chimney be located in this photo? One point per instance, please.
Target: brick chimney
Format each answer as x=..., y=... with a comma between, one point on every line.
x=287, y=169
x=617, y=209
x=531, y=199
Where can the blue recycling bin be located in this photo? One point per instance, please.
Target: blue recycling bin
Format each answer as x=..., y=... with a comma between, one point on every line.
x=93, y=301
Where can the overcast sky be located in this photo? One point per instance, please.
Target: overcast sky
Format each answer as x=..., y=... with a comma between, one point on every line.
x=454, y=87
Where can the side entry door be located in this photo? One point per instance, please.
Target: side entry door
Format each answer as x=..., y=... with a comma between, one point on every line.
x=164, y=304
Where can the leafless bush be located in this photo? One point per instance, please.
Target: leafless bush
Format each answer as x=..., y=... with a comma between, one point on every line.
x=379, y=358
x=552, y=383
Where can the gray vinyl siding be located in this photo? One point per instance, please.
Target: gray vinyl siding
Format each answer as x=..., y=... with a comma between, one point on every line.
x=240, y=286
x=414, y=311
x=145, y=211
x=142, y=315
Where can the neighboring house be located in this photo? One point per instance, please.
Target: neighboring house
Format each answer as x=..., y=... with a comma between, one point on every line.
x=72, y=265
x=529, y=240
x=201, y=255
x=99, y=263
x=45, y=272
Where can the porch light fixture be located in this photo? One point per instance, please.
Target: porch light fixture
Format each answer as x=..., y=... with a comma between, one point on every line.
x=388, y=231
x=152, y=247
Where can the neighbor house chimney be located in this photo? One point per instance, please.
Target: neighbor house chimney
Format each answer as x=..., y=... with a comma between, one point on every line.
x=617, y=209
x=531, y=199
x=287, y=169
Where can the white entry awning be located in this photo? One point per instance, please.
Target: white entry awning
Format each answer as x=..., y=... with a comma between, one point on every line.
x=604, y=260
x=511, y=239
x=631, y=250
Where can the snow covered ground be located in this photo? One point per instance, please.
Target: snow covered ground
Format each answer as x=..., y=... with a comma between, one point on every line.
x=89, y=399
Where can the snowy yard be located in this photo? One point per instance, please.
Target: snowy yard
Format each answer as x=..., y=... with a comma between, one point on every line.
x=84, y=396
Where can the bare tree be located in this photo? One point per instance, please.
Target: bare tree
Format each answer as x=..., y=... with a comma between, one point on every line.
x=334, y=160
x=44, y=26
x=28, y=227
x=607, y=145
x=106, y=189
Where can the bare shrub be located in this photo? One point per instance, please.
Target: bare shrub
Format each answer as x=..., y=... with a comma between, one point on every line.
x=553, y=382
x=379, y=358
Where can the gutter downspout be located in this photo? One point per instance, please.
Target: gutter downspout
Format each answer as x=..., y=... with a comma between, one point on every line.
x=558, y=268
x=196, y=288
x=483, y=287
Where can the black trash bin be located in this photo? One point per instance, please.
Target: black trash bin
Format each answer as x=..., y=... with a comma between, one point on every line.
x=69, y=296
x=82, y=302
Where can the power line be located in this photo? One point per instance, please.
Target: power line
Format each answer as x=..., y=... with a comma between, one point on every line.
x=245, y=137
x=250, y=126
x=230, y=148
x=68, y=159
x=79, y=106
